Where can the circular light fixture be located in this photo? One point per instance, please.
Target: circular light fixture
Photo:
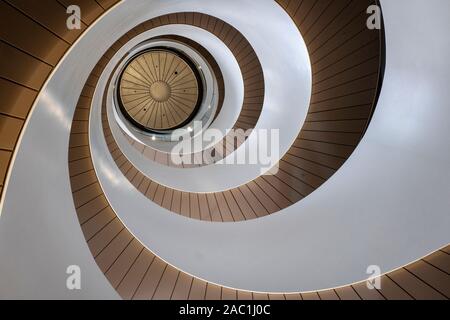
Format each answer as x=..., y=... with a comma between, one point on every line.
x=160, y=90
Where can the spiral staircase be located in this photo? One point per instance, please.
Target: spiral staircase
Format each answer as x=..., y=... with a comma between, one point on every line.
x=87, y=176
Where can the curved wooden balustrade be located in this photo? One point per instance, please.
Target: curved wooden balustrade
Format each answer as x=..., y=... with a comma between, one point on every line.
x=346, y=60
x=33, y=38
x=252, y=74
x=334, y=126
x=136, y=273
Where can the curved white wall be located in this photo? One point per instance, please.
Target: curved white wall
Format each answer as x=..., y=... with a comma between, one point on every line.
x=398, y=177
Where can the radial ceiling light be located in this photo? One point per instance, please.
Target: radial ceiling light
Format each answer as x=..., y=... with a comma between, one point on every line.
x=160, y=90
